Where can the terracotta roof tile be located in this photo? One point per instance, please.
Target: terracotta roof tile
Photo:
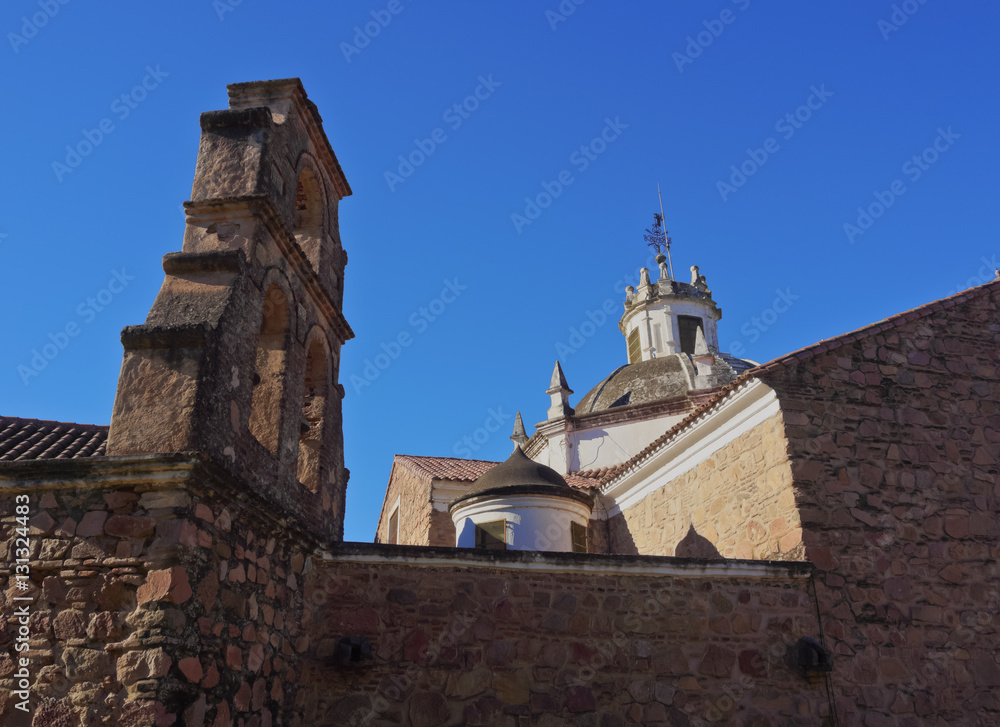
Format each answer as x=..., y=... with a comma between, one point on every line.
x=448, y=468
x=807, y=352
x=598, y=474
x=24, y=439
x=469, y=470
x=582, y=482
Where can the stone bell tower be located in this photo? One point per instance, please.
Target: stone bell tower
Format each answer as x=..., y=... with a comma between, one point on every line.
x=238, y=360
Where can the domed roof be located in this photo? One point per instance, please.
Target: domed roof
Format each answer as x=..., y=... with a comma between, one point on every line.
x=665, y=377
x=520, y=474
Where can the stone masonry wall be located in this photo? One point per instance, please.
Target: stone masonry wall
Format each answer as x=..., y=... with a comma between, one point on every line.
x=473, y=639
x=740, y=500
x=895, y=439
x=92, y=552
x=158, y=606
x=414, y=493
x=442, y=530
x=247, y=619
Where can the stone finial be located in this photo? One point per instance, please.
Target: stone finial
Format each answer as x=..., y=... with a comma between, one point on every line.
x=520, y=436
x=661, y=260
x=699, y=281
x=644, y=278
x=703, y=360
x=559, y=391
x=558, y=380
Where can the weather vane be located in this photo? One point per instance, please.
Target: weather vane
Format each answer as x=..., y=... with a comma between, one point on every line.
x=658, y=238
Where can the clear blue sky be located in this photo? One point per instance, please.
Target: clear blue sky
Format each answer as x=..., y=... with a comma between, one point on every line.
x=881, y=94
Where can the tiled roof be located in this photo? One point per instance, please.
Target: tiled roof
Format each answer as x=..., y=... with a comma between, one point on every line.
x=448, y=468
x=468, y=470
x=24, y=439
x=598, y=474
x=815, y=349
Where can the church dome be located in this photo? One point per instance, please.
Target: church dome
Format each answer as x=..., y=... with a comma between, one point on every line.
x=521, y=475
x=666, y=377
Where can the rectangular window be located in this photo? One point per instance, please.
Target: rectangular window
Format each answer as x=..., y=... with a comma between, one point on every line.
x=492, y=535
x=579, y=533
x=393, y=534
x=634, y=350
x=688, y=326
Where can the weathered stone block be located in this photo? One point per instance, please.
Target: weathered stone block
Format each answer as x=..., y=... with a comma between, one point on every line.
x=83, y=663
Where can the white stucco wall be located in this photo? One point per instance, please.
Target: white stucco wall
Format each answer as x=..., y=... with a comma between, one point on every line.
x=613, y=444
x=663, y=326
x=534, y=522
x=602, y=446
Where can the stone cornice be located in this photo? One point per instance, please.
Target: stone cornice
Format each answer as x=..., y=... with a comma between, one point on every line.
x=260, y=207
x=158, y=471
x=146, y=473
x=570, y=563
x=263, y=92
x=639, y=412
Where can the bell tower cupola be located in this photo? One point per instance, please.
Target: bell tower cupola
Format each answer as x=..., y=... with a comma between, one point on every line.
x=668, y=316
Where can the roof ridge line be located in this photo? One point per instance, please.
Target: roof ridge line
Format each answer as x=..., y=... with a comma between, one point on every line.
x=801, y=354
x=29, y=420
x=456, y=459
x=677, y=428
x=912, y=314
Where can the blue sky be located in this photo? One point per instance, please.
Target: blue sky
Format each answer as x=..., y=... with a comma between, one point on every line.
x=892, y=110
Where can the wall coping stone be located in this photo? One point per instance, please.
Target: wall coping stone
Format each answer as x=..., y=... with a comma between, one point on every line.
x=190, y=471
x=571, y=563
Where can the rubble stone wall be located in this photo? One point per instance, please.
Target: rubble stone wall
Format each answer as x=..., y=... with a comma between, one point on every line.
x=155, y=606
x=480, y=639
x=895, y=441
